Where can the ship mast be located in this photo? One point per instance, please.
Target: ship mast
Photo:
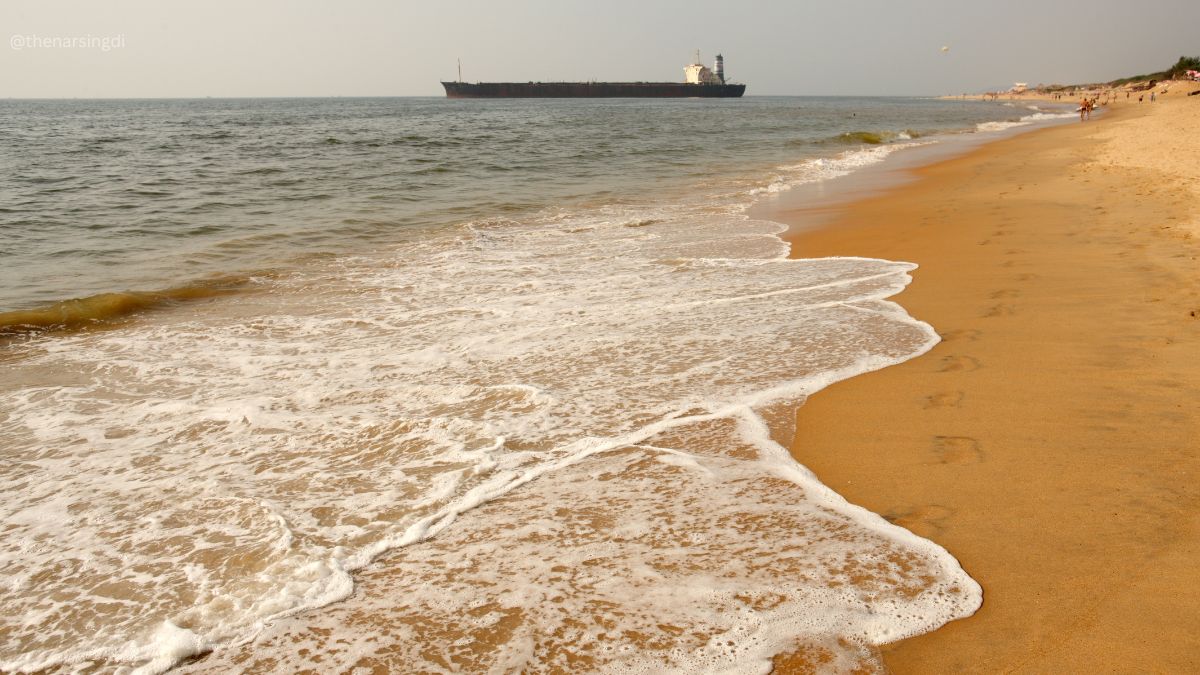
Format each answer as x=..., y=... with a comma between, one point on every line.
x=460, y=70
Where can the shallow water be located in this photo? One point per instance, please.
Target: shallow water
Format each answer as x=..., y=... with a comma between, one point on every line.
x=545, y=388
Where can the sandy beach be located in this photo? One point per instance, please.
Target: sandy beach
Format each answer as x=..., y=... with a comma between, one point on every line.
x=1049, y=441
x=558, y=339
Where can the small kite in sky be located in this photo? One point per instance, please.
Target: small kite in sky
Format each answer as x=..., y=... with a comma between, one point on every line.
x=945, y=49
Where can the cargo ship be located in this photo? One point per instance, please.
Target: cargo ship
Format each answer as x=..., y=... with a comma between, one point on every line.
x=699, y=81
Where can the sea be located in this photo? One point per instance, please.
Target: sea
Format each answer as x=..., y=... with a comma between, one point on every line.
x=429, y=385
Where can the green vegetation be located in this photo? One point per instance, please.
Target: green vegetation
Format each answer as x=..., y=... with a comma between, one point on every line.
x=1184, y=64
x=1179, y=70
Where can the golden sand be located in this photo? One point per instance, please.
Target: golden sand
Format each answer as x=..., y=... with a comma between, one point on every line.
x=1050, y=441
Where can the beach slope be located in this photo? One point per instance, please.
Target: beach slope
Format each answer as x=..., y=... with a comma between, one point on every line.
x=1050, y=441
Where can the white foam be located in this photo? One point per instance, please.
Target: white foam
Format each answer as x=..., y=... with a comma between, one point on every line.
x=185, y=481
x=999, y=126
x=1023, y=121
x=829, y=168
x=1044, y=116
x=716, y=563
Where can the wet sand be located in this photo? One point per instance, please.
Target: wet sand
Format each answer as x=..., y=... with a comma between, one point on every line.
x=1050, y=441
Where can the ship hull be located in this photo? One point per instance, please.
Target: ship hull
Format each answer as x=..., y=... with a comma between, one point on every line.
x=591, y=90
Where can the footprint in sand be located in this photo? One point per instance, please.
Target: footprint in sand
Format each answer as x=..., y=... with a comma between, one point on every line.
x=923, y=521
x=957, y=450
x=1005, y=293
x=1000, y=310
x=944, y=399
x=969, y=334
x=1028, y=276
x=958, y=363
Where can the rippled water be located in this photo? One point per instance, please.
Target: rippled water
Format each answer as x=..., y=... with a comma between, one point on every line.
x=514, y=374
x=109, y=196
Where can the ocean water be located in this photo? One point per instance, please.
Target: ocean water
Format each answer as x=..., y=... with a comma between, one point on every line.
x=441, y=385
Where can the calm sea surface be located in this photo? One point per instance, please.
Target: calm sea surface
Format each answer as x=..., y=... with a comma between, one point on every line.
x=106, y=196
x=441, y=385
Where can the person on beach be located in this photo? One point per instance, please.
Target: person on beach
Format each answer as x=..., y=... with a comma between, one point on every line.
x=1083, y=106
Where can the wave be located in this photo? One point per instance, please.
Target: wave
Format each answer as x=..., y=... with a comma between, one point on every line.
x=826, y=168
x=107, y=308
x=868, y=137
x=261, y=171
x=1022, y=121
x=876, y=137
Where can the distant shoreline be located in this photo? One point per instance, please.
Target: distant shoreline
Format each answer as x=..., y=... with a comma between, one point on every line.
x=1074, y=92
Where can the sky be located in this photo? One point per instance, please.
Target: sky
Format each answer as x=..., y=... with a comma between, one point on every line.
x=225, y=48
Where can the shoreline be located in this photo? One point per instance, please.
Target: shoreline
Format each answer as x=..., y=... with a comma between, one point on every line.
x=1046, y=442
x=375, y=612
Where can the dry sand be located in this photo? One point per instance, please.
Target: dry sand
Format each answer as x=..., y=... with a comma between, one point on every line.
x=1050, y=441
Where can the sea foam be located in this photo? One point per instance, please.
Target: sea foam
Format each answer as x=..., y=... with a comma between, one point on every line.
x=827, y=168
x=560, y=437
x=1025, y=120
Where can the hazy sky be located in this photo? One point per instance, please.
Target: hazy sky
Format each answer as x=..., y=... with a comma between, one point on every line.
x=177, y=48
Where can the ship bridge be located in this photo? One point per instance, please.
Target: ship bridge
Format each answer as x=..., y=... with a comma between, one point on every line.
x=698, y=73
